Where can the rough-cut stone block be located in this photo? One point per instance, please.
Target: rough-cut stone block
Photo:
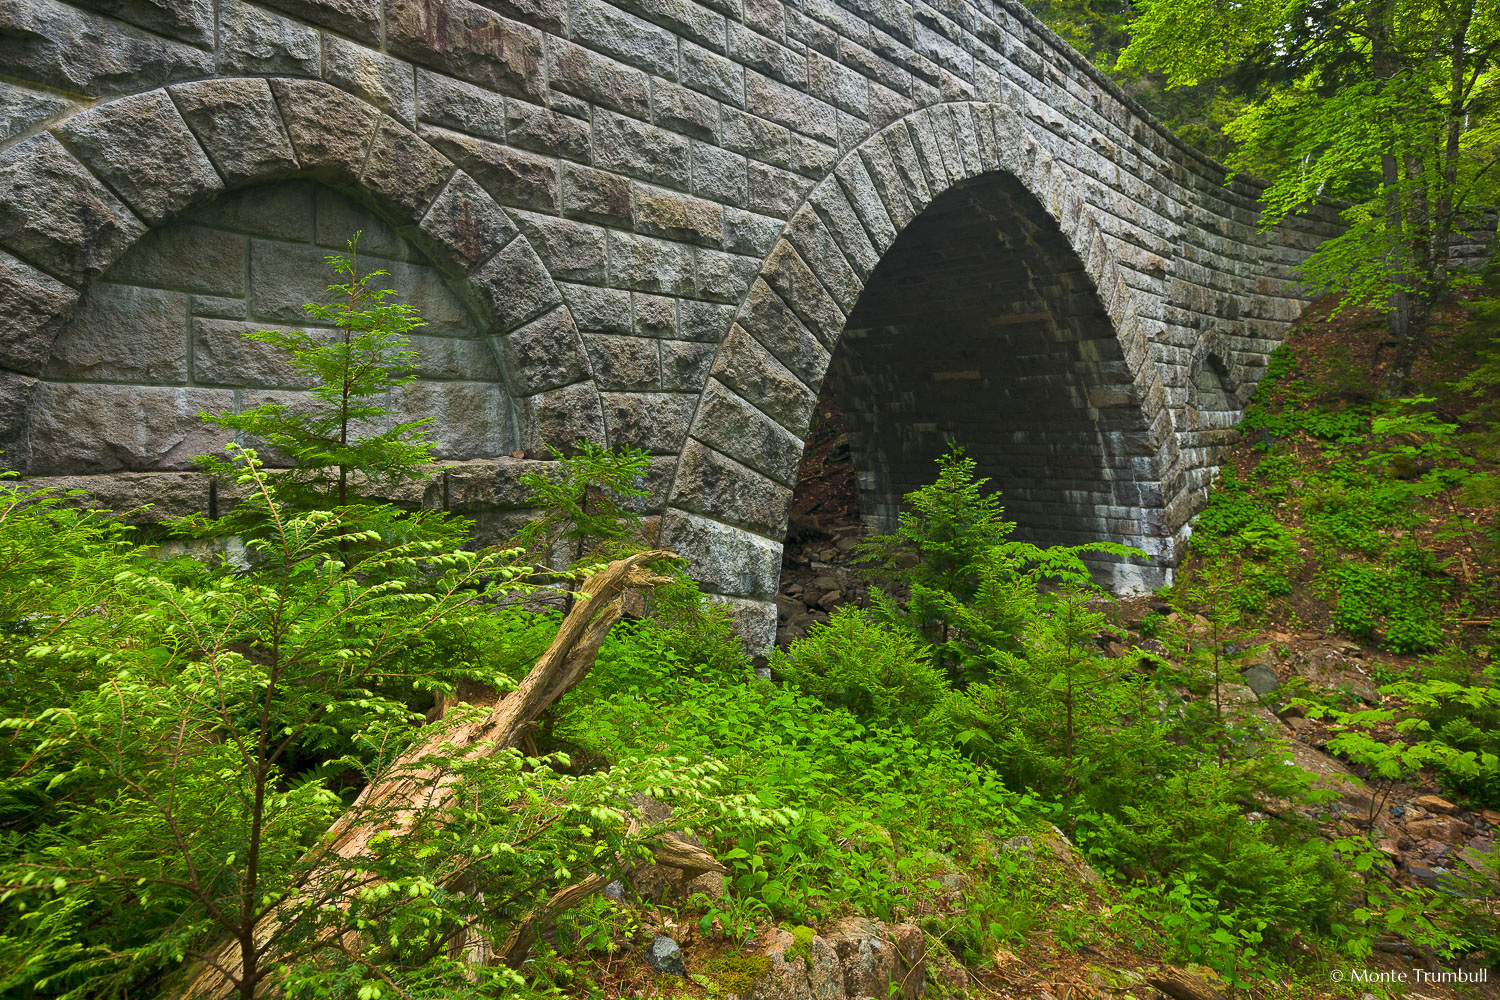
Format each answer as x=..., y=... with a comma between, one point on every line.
x=704, y=321
x=608, y=29
x=252, y=40
x=120, y=333
x=55, y=213
x=724, y=559
x=624, y=364
x=749, y=233
x=717, y=486
x=573, y=69
x=459, y=106
x=356, y=18
x=600, y=310
x=190, y=21
x=684, y=365
x=223, y=356
x=549, y=15
x=17, y=393
x=35, y=306
x=279, y=211
x=713, y=74
x=650, y=265
x=144, y=150
x=572, y=251
x=81, y=427
x=739, y=430
x=140, y=497
x=387, y=83
x=544, y=354
x=678, y=217
x=239, y=127
x=330, y=130
x=49, y=42
x=681, y=110
x=191, y=258
x=465, y=225
x=773, y=191
x=561, y=418
x=640, y=150
x=596, y=196
x=812, y=241
x=456, y=359
x=541, y=130
x=402, y=173
x=469, y=41
x=750, y=370
x=469, y=419
x=22, y=108
x=859, y=188
x=799, y=287
x=755, y=624
x=516, y=179
x=723, y=277
x=839, y=216
x=656, y=422
x=719, y=175
x=655, y=315
x=514, y=286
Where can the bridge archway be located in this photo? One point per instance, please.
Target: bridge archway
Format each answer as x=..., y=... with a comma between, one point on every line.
x=962, y=293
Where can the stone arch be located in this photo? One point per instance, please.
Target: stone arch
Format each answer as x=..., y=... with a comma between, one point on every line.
x=76, y=196
x=727, y=510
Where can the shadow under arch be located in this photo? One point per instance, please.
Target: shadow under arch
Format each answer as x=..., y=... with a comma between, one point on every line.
x=1032, y=354
x=103, y=178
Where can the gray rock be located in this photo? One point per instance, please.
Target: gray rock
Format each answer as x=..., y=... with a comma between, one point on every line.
x=35, y=306
x=95, y=344
x=239, y=127
x=190, y=257
x=57, y=214
x=666, y=957
x=615, y=890
x=468, y=41
x=47, y=42
x=330, y=130
x=465, y=224
x=252, y=40
x=514, y=177
x=23, y=107
x=1261, y=679
x=81, y=427
x=656, y=422
x=387, y=83
x=356, y=18
x=544, y=354
x=402, y=174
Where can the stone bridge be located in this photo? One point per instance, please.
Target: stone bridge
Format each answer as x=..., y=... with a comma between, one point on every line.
x=659, y=223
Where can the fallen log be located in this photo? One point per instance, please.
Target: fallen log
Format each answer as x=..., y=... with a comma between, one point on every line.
x=414, y=789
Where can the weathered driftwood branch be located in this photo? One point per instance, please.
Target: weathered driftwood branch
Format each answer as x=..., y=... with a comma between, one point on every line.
x=414, y=788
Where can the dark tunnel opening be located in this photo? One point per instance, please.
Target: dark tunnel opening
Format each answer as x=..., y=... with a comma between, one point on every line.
x=979, y=327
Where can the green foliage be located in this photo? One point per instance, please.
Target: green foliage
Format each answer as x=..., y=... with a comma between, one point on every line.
x=1389, y=106
x=864, y=666
x=343, y=442
x=175, y=796
x=583, y=503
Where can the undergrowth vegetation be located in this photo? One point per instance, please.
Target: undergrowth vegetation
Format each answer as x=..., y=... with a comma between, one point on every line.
x=180, y=732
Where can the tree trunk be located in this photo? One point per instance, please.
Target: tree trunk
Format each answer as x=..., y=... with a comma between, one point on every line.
x=395, y=803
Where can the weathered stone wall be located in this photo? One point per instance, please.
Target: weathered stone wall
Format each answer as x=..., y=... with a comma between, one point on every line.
x=159, y=337
x=658, y=216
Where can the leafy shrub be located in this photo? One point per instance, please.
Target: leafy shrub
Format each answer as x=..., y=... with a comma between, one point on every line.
x=862, y=665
